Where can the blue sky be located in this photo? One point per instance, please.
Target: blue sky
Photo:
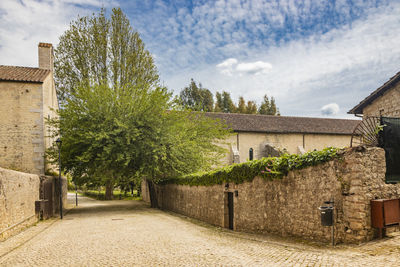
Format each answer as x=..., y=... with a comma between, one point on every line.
x=317, y=58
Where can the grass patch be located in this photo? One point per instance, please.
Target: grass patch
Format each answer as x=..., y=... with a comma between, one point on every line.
x=117, y=195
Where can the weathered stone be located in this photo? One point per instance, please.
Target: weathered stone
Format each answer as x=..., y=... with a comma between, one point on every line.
x=18, y=193
x=290, y=206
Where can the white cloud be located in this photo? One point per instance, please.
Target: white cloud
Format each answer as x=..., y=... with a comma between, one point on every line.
x=25, y=23
x=341, y=66
x=230, y=62
x=231, y=66
x=333, y=64
x=256, y=68
x=330, y=109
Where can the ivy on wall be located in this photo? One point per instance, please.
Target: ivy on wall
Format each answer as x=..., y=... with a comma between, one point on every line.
x=267, y=168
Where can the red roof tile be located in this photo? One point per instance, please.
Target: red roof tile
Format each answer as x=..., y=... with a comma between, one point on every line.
x=23, y=74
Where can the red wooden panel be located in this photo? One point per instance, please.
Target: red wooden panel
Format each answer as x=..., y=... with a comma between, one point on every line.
x=377, y=213
x=391, y=209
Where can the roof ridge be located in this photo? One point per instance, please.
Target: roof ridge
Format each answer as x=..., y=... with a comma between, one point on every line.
x=23, y=74
x=22, y=67
x=357, y=109
x=280, y=116
x=285, y=124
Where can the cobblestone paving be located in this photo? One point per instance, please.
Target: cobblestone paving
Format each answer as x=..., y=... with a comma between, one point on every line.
x=128, y=233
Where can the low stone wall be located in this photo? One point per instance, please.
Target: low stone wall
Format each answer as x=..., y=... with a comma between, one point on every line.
x=289, y=206
x=18, y=193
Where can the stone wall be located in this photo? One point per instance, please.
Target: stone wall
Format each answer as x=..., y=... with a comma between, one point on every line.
x=289, y=206
x=21, y=131
x=25, y=106
x=387, y=105
x=50, y=105
x=18, y=193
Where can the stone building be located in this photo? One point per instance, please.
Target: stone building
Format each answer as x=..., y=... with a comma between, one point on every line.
x=384, y=101
x=265, y=135
x=28, y=97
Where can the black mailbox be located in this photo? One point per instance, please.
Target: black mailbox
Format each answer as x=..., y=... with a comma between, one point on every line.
x=326, y=215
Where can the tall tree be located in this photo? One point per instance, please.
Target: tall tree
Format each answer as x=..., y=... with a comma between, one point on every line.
x=219, y=104
x=227, y=104
x=268, y=107
x=251, y=107
x=265, y=106
x=196, y=97
x=241, y=105
x=273, y=109
x=110, y=134
x=101, y=50
x=116, y=121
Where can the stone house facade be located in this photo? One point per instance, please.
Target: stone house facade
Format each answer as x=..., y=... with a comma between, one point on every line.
x=264, y=134
x=384, y=101
x=28, y=97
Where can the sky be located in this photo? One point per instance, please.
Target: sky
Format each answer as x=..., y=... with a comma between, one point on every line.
x=316, y=58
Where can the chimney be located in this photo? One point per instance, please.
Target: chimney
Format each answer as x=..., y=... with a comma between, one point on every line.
x=46, y=58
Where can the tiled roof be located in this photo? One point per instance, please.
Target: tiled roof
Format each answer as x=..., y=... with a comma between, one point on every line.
x=375, y=94
x=45, y=45
x=22, y=74
x=283, y=124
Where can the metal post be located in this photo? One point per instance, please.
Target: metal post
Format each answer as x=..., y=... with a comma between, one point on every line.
x=60, y=183
x=333, y=222
x=76, y=195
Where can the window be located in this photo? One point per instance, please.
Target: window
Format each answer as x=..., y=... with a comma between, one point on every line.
x=251, y=152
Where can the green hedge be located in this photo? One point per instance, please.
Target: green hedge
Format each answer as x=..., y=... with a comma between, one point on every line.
x=268, y=168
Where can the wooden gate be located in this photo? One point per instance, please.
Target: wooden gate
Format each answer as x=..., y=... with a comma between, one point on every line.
x=230, y=210
x=389, y=139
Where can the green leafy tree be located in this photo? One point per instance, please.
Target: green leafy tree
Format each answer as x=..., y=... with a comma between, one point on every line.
x=197, y=98
x=116, y=121
x=241, y=105
x=219, y=103
x=268, y=107
x=273, y=109
x=110, y=134
x=227, y=104
x=265, y=106
x=101, y=50
x=251, y=107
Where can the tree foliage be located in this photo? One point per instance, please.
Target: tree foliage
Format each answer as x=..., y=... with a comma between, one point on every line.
x=227, y=104
x=110, y=134
x=268, y=107
x=101, y=50
x=267, y=168
x=251, y=107
x=117, y=123
x=197, y=98
x=241, y=105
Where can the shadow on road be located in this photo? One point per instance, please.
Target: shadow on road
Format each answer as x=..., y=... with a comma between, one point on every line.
x=91, y=207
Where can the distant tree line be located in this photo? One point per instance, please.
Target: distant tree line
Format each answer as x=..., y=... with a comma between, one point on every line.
x=197, y=98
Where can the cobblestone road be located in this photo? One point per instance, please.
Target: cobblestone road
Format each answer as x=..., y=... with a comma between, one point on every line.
x=128, y=233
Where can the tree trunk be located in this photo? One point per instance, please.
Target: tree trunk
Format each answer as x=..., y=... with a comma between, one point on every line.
x=153, y=194
x=109, y=191
x=139, y=190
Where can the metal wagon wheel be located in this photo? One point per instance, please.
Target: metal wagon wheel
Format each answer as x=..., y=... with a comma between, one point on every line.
x=366, y=132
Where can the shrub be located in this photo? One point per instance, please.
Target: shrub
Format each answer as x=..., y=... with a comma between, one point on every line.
x=267, y=168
